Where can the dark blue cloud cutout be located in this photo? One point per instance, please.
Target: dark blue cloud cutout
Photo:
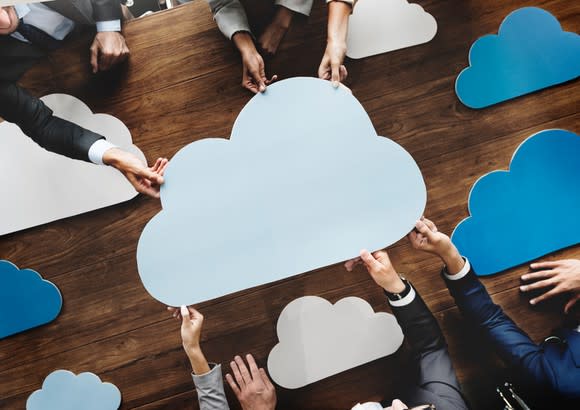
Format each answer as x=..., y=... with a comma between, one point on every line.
x=530, y=52
x=26, y=300
x=527, y=212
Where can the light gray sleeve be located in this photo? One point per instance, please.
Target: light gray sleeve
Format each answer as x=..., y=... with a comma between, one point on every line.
x=210, y=389
x=297, y=6
x=230, y=16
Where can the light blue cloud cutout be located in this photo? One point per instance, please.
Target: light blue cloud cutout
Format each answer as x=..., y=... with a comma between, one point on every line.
x=64, y=390
x=527, y=212
x=303, y=182
x=530, y=52
x=26, y=300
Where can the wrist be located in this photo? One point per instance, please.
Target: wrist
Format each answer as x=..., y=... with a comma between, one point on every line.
x=453, y=260
x=244, y=43
x=199, y=364
x=112, y=156
x=393, y=283
x=283, y=18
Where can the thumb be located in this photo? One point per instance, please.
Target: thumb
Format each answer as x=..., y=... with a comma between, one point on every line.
x=150, y=175
x=369, y=260
x=95, y=57
x=185, y=317
x=335, y=74
x=571, y=303
x=424, y=230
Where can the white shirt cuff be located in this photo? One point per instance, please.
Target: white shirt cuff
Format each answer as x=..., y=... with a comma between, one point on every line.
x=110, y=25
x=406, y=300
x=97, y=151
x=464, y=271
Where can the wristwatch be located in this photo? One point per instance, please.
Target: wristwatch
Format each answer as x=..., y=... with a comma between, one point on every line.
x=398, y=296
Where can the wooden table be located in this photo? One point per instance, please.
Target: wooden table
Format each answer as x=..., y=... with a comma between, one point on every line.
x=183, y=84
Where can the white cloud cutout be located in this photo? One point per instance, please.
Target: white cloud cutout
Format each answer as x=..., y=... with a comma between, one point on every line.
x=64, y=390
x=39, y=186
x=380, y=26
x=303, y=182
x=319, y=340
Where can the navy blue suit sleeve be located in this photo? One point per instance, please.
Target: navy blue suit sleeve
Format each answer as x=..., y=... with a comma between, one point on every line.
x=37, y=121
x=437, y=381
x=512, y=344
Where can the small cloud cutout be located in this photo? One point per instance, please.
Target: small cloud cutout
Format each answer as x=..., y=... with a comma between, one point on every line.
x=26, y=300
x=67, y=187
x=529, y=53
x=309, y=187
x=527, y=212
x=380, y=26
x=64, y=390
x=319, y=339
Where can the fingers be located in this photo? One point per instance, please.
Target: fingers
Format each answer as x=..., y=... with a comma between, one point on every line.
x=538, y=285
x=237, y=374
x=245, y=374
x=335, y=73
x=185, y=317
x=545, y=265
x=423, y=229
x=266, y=379
x=324, y=69
x=253, y=367
x=540, y=275
x=350, y=264
x=551, y=293
x=369, y=260
x=259, y=78
x=429, y=223
x=95, y=57
x=233, y=385
x=343, y=73
x=571, y=303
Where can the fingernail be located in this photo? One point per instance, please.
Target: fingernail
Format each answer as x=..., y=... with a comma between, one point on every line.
x=523, y=288
x=532, y=302
x=335, y=84
x=533, y=266
x=524, y=277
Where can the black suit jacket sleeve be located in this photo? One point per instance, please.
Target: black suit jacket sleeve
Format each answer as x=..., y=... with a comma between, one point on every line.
x=104, y=10
x=436, y=380
x=38, y=122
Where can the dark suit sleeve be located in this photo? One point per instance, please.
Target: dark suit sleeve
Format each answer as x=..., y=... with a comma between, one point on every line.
x=512, y=343
x=437, y=377
x=105, y=10
x=37, y=121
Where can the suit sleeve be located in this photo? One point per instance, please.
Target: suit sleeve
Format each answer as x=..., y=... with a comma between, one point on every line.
x=230, y=16
x=210, y=389
x=436, y=372
x=105, y=10
x=297, y=6
x=512, y=344
x=37, y=121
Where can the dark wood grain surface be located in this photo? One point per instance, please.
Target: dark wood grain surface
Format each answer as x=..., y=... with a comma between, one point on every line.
x=183, y=84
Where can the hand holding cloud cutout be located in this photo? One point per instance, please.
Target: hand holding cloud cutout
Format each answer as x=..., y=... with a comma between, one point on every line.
x=319, y=339
x=527, y=212
x=26, y=300
x=380, y=26
x=529, y=53
x=63, y=390
x=304, y=189
x=67, y=187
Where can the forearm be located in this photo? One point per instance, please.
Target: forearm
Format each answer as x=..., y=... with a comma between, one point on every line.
x=198, y=362
x=38, y=122
x=338, y=14
x=244, y=43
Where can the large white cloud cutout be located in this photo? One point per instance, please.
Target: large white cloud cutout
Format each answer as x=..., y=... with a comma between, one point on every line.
x=380, y=26
x=39, y=186
x=63, y=390
x=303, y=182
x=319, y=339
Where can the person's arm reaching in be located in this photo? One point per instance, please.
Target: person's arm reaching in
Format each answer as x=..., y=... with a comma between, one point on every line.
x=511, y=342
x=63, y=137
x=109, y=47
x=272, y=36
x=332, y=67
x=207, y=379
x=561, y=277
x=232, y=21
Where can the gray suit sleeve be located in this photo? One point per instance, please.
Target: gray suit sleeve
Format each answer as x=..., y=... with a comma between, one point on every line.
x=230, y=16
x=297, y=6
x=210, y=389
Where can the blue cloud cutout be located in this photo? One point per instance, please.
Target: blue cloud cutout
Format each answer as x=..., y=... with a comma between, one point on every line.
x=303, y=182
x=26, y=300
x=530, y=52
x=63, y=390
x=527, y=212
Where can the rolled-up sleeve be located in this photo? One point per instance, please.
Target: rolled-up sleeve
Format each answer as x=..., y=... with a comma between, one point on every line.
x=351, y=2
x=297, y=6
x=210, y=389
x=230, y=16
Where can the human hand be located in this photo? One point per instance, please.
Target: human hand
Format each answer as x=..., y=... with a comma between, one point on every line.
x=108, y=48
x=380, y=268
x=191, y=325
x=562, y=276
x=253, y=388
x=276, y=30
x=332, y=67
x=145, y=180
x=253, y=71
x=426, y=237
